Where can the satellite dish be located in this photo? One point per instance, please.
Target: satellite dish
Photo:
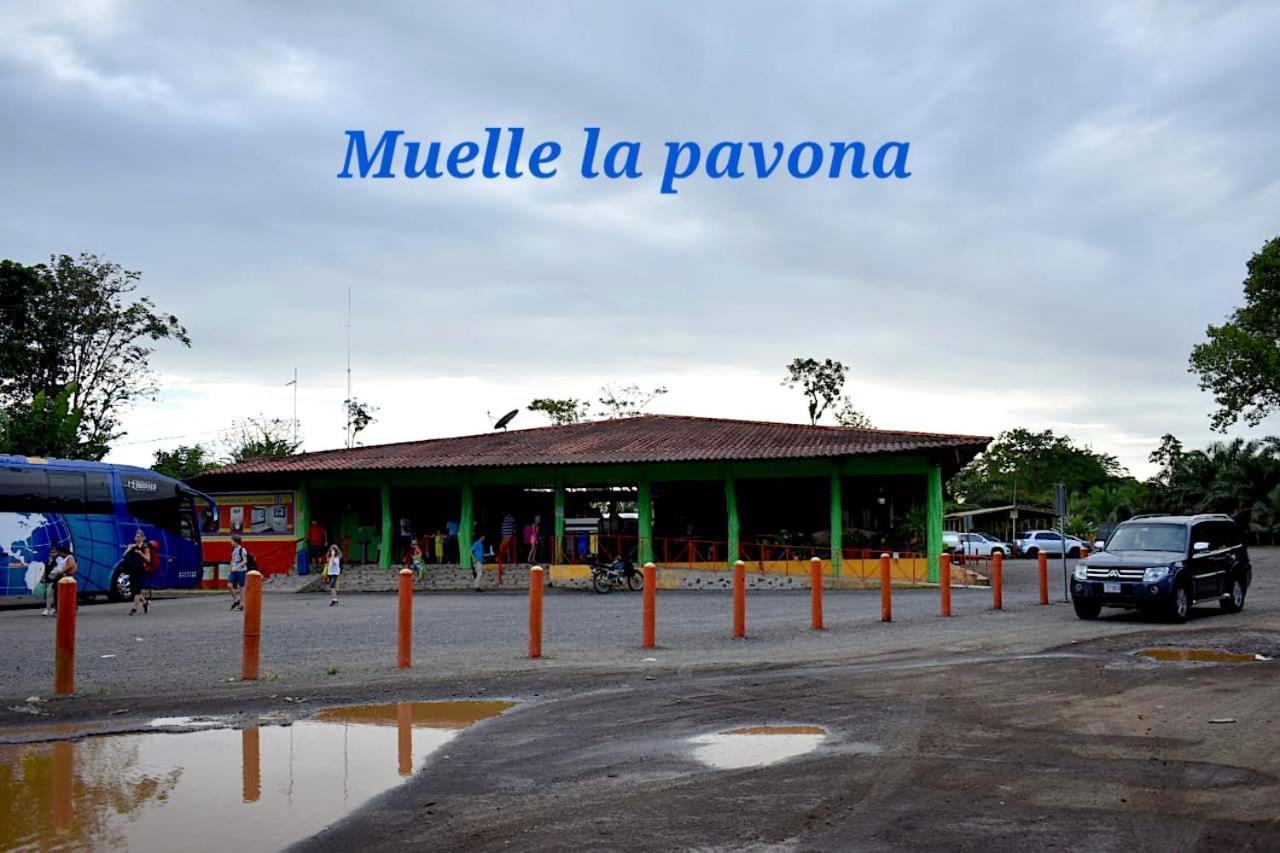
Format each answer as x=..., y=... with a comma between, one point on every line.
x=506, y=419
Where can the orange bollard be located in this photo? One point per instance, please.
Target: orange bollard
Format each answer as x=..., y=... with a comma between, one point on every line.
x=944, y=582
x=405, y=646
x=404, y=738
x=535, y=612
x=252, y=626
x=997, y=581
x=649, y=638
x=64, y=653
x=1044, y=578
x=886, y=589
x=250, y=765
x=740, y=600
x=815, y=595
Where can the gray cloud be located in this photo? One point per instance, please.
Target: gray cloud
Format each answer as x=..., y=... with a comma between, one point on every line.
x=1088, y=182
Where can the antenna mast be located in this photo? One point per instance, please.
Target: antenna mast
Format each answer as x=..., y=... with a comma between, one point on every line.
x=347, y=404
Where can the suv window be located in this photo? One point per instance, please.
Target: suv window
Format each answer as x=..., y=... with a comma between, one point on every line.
x=1141, y=536
x=1222, y=534
x=1204, y=532
x=1052, y=536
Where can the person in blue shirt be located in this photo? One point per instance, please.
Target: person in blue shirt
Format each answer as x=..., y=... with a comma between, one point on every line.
x=477, y=562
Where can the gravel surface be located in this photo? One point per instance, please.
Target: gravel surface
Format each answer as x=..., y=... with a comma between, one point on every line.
x=193, y=644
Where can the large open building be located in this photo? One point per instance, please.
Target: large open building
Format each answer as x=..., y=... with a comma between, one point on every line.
x=673, y=489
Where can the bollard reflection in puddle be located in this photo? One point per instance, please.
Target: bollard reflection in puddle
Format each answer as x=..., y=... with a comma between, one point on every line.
x=170, y=791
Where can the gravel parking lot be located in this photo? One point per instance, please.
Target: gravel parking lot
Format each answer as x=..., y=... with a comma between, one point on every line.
x=193, y=643
x=1024, y=729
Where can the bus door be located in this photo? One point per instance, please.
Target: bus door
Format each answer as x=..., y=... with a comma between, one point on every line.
x=165, y=513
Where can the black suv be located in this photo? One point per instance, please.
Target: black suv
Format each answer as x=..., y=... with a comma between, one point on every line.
x=1166, y=563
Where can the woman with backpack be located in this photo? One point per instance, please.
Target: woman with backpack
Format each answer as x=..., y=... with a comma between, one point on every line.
x=137, y=560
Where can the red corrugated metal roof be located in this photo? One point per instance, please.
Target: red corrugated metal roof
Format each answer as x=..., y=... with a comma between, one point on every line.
x=647, y=438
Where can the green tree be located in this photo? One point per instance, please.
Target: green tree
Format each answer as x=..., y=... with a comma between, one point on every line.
x=1240, y=361
x=257, y=438
x=359, y=417
x=567, y=410
x=627, y=401
x=821, y=382
x=47, y=426
x=184, y=461
x=1021, y=466
x=74, y=324
x=849, y=416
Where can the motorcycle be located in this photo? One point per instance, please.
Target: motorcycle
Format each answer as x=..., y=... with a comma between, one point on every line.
x=605, y=575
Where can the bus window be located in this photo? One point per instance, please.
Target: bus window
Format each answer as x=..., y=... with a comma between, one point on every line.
x=187, y=519
x=23, y=490
x=152, y=501
x=97, y=494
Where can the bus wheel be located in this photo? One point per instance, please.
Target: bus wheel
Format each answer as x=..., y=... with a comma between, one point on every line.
x=120, y=589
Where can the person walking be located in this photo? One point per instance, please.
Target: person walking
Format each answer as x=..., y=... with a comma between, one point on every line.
x=477, y=562
x=531, y=537
x=63, y=566
x=239, y=570
x=333, y=572
x=507, y=549
x=137, y=559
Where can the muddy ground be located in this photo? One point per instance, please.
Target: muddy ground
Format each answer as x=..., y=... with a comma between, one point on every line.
x=983, y=742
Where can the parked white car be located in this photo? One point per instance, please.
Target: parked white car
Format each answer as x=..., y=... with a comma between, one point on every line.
x=974, y=544
x=983, y=545
x=1031, y=543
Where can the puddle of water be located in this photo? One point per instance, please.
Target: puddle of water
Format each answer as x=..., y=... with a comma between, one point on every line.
x=1197, y=655
x=218, y=789
x=756, y=746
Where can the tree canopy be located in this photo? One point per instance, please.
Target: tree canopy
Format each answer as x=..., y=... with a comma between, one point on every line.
x=72, y=328
x=184, y=461
x=1021, y=466
x=1240, y=361
x=821, y=382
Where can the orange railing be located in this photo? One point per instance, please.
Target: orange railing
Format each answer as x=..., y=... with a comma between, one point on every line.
x=760, y=556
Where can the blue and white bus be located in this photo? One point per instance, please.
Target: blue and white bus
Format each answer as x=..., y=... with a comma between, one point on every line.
x=95, y=509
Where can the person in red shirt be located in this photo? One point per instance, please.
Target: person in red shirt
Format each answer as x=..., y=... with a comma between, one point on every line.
x=318, y=542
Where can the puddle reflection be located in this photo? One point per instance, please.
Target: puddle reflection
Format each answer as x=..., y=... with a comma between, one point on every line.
x=1197, y=655
x=756, y=746
x=159, y=791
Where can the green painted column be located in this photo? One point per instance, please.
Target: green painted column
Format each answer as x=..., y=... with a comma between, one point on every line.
x=388, y=525
x=731, y=507
x=933, y=522
x=644, y=501
x=302, y=519
x=837, y=523
x=558, y=556
x=466, y=520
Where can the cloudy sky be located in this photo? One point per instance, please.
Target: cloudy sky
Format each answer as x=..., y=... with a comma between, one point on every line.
x=1087, y=184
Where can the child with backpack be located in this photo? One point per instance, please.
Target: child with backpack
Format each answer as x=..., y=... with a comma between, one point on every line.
x=239, y=570
x=333, y=572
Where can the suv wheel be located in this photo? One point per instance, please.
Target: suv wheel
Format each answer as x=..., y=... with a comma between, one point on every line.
x=1180, y=603
x=1086, y=609
x=1074, y=553
x=1032, y=552
x=1235, y=603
